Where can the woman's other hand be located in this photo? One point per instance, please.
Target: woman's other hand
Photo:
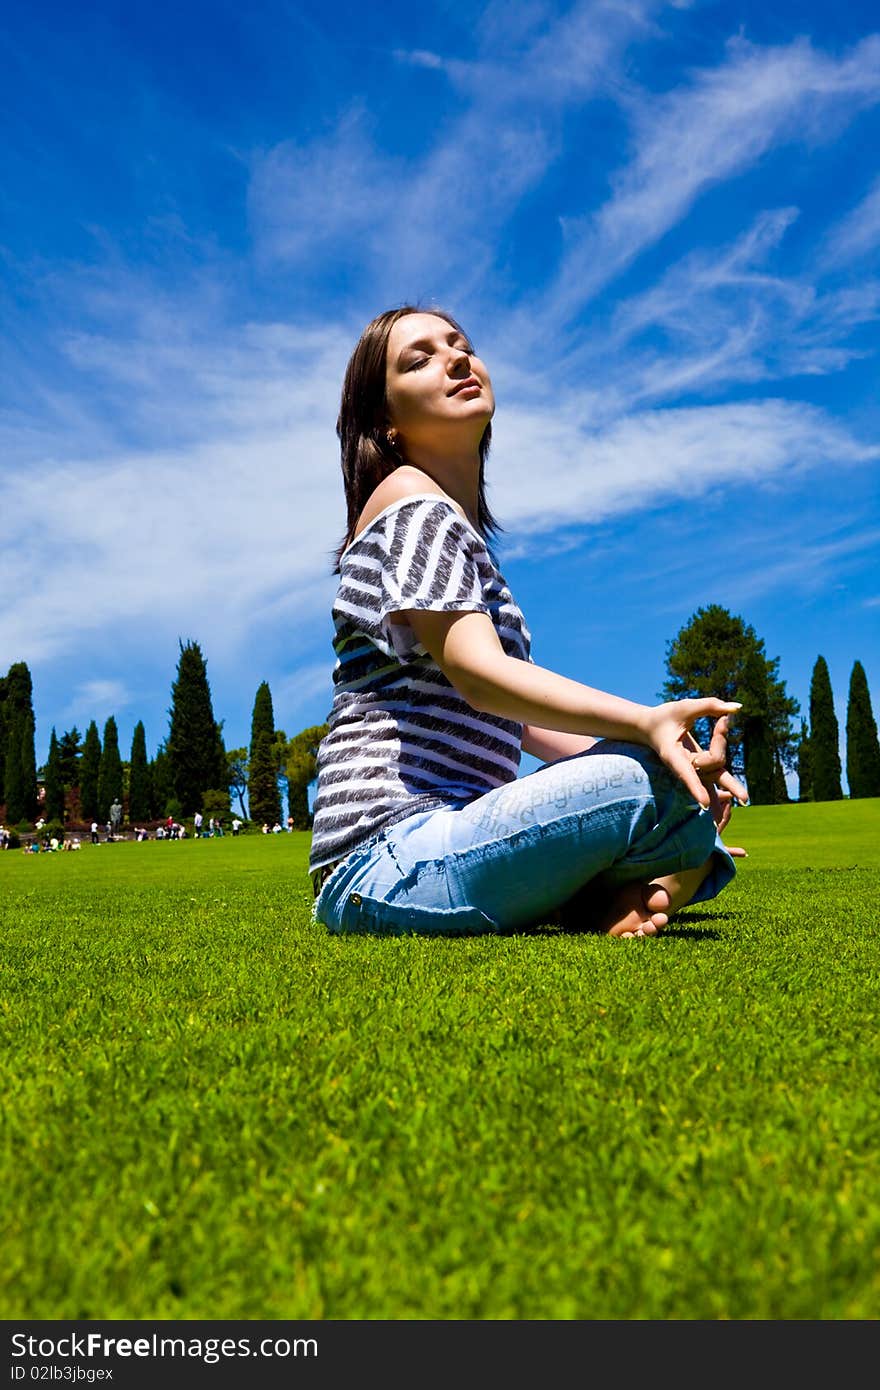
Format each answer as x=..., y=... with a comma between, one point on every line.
x=702, y=770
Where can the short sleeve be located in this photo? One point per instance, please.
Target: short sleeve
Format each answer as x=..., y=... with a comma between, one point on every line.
x=432, y=561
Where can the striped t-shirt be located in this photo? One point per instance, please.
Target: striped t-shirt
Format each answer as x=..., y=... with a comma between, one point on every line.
x=400, y=738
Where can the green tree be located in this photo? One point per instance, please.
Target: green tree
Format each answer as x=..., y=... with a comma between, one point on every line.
x=862, y=745
x=14, y=794
x=20, y=761
x=160, y=782
x=195, y=748
x=717, y=653
x=89, y=771
x=140, y=791
x=824, y=736
x=29, y=768
x=804, y=771
x=69, y=754
x=264, y=800
x=759, y=751
x=302, y=769
x=53, y=804
x=4, y=737
x=109, y=771
x=780, y=786
x=237, y=775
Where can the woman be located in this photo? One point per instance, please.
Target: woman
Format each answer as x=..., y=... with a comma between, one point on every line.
x=420, y=821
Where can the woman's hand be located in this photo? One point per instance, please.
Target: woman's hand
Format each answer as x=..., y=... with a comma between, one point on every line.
x=702, y=770
x=710, y=765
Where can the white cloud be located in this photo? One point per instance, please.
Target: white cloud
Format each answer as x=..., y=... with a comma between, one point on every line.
x=321, y=198
x=97, y=699
x=857, y=234
x=726, y=120
x=556, y=475
x=426, y=227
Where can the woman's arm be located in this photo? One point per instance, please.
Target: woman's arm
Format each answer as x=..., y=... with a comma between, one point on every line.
x=550, y=744
x=466, y=648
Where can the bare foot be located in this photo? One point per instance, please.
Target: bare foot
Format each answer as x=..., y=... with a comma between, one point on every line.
x=636, y=909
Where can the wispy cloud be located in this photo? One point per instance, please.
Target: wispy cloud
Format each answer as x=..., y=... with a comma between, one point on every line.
x=720, y=124
x=644, y=460
x=96, y=699
x=724, y=317
x=427, y=225
x=858, y=233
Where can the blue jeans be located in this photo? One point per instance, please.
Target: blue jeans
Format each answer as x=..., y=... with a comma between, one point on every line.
x=510, y=858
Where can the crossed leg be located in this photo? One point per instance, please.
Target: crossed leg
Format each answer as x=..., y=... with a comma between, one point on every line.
x=644, y=909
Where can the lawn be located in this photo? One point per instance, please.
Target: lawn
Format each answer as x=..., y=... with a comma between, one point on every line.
x=213, y=1109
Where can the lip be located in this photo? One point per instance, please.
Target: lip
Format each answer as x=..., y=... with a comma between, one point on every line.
x=469, y=383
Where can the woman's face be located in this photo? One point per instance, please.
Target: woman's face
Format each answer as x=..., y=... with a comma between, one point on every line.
x=436, y=389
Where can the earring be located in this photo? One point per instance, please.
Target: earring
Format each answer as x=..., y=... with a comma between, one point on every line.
x=391, y=437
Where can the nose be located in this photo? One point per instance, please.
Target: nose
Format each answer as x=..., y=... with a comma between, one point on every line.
x=459, y=363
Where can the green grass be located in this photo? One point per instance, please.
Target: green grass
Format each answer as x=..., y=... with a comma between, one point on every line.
x=213, y=1109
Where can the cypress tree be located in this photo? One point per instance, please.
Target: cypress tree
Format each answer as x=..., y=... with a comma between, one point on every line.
x=804, y=771
x=69, y=753
x=160, y=783
x=4, y=736
x=824, y=736
x=13, y=791
x=89, y=770
x=109, y=771
x=264, y=798
x=53, y=806
x=140, y=795
x=29, y=769
x=20, y=771
x=862, y=746
x=195, y=748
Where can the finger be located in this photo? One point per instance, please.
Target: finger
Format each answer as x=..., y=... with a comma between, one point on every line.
x=679, y=763
x=736, y=852
x=706, y=761
x=718, y=741
x=733, y=785
x=725, y=808
x=709, y=708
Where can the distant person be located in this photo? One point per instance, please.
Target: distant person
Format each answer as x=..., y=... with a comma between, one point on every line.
x=289, y=824
x=94, y=832
x=421, y=822
x=197, y=824
x=236, y=826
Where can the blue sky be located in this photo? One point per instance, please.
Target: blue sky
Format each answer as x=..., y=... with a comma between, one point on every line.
x=659, y=221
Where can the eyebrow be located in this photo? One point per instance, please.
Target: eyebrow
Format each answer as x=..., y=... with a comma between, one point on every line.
x=425, y=344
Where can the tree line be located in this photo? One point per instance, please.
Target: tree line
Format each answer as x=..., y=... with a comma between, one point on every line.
x=715, y=653
x=191, y=771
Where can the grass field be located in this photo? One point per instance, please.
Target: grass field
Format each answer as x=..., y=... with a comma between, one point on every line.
x=213, y=1109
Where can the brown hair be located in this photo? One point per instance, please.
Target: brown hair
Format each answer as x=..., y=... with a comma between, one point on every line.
x=367, y=454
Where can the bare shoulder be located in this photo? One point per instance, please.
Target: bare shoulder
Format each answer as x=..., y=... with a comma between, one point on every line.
x=405, y=481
